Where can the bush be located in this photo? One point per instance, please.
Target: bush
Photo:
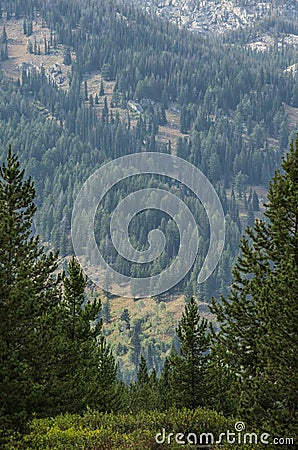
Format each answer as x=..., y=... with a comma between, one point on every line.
x=99, y=431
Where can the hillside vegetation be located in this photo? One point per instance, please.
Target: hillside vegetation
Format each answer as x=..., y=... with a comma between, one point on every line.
x=87, y=82
x=224, y=108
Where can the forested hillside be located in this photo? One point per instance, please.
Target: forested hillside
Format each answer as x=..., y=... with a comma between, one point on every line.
x=86, y=82
x=231, y=103
x=223, y=107
x=55, y=360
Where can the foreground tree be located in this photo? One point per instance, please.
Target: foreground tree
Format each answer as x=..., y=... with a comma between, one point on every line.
x=92, y=371
x=53, y=355
x=259, y=320
x=28, y=295
x=189, y=367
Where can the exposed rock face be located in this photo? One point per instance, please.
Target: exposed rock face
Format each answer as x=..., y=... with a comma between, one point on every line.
x=219, y=15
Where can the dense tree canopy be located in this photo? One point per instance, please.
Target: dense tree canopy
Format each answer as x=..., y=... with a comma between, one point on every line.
x=259, y=319
x=54, y=357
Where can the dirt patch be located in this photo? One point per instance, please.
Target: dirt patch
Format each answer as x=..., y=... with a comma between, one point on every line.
x=171, y=131
x=18, y=52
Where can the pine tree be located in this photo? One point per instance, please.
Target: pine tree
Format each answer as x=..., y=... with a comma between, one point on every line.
x=101, y=90
x=67, y=56
x=29, y=28
x=106, y=311
x=250, y=217
x=86, y=91
x=259, y=320
x=74, y=298
x=163, y=117
x=75, y=343
x=35, y=47
x=255, y=201
x=125, y=317
x=136, y=331
x=90, y=371
x=189, y=367
x=241, y=181
x=4, y=52
x=4, y=36
x=165, y=387
x=143, y=376
x=106, y=395
x=220, y=385
x=144, y=393
x=28, y=295
x=105, y=111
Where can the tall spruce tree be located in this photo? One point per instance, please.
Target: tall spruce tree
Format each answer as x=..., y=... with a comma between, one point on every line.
x=107, y=390
x=189, y=367
x=28, y=296
x=89, y=372
x=143, y=376
x=259, y=320
x=144, y=395
x=165, y=387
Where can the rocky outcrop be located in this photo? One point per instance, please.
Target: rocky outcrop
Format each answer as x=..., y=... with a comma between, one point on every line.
x=218, y=16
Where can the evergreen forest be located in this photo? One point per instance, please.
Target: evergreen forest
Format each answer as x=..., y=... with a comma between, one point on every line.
x=67, y=380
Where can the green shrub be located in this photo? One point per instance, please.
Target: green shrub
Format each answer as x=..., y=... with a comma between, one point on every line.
x=99, y=431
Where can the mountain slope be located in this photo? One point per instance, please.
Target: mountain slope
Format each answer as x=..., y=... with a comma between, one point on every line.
x=219, y=16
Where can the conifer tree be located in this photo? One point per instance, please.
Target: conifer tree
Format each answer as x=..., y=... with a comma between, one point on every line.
x=86, y=91
x=29, y=28
x=79, y=313
x=125, y=317
x=255, y=201
x=136, y=331
x=25, y=27
x=4, y=36
x=144, y=394
x=220, y=385
x=67, y=56
x=143, y=376
x=189, y=367
x=258, y=336
x=90, y=370
x=106, y=311
x=101, y=90
x=165, y=387
x=28, y=295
